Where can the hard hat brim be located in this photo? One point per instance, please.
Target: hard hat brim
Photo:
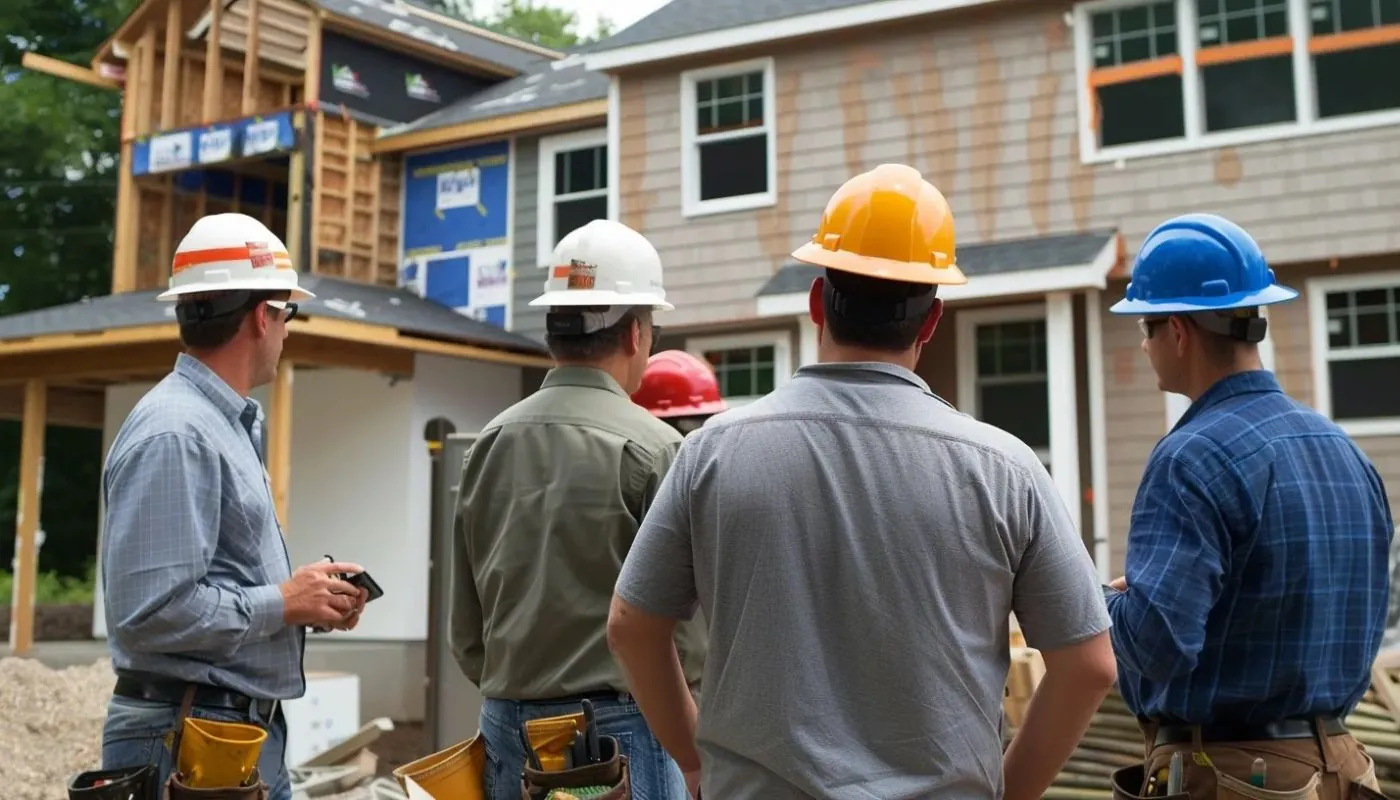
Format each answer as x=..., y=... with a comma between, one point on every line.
x=598, y=297
x=698, y=410
x=1273, y=293
x=883, y=268
x=298, y=293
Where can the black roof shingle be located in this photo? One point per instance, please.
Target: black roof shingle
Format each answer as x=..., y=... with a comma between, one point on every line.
x=993, y=258
x=337, y=298
x=396, y=15
x=547, y=84
x=688, y=17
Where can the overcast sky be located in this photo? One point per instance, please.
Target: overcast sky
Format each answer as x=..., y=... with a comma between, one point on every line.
x=621, y=12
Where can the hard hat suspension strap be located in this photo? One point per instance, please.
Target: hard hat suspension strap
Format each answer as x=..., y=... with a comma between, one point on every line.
x=217, y=305
x=882, y=309
x=1240, y=324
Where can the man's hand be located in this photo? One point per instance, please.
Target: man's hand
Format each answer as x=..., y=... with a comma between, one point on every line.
x=1120, y=583
x=692, y=784
x=353, y=618
x=315, y=596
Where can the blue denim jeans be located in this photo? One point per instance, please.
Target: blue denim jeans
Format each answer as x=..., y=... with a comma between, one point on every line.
x=654, y=775
x=136, y=735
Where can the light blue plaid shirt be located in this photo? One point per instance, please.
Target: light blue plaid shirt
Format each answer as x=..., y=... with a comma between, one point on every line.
x=192, y=554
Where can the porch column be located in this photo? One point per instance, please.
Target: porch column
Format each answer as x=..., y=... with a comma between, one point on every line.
x=1064, y=399
x=279, y=440
x=31, y=473
x=1098, y=436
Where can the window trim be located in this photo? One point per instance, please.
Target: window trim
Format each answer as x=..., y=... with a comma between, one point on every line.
x=966, y=322
x=1316, y=290
x=549, y=146
x=1304, y=92
x=779, y=340
x=691, y=204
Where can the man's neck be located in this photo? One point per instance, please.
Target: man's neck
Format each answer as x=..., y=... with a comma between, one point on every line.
x=832, y=353
x=230, y=370
x=615, y=367
x=1210, y=375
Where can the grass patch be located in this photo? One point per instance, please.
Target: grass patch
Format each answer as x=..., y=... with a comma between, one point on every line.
x=55, y=589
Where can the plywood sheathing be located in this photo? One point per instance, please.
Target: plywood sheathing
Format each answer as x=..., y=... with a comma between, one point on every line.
x=775, y=224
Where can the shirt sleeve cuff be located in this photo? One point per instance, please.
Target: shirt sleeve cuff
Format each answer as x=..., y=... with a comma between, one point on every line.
x=265, y=607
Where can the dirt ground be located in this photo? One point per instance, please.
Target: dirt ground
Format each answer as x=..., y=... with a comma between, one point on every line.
x=406, y=742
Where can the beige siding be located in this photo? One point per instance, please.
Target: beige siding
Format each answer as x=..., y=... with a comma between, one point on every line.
x=986, y=107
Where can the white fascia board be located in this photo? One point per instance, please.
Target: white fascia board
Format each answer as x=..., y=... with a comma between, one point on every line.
x=773, y=30
x=1093, y=275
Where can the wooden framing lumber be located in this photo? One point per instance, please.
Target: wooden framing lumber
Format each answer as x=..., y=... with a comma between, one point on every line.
x=31, y=473
x=171, y=63
x=213, y=62
x=66, y=71
x=67, y=408
x=250, y=57
x=589, y=111
x=279, y=441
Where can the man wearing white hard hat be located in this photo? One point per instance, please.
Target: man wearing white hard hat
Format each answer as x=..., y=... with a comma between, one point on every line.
x=205, y=616
x=551, y=497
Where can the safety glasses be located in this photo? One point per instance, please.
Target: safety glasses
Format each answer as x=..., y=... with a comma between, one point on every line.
x=288, y=309
x=1149, y=326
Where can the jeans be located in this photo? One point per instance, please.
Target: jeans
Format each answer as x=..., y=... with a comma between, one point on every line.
x=136, y=735
x=654, y=775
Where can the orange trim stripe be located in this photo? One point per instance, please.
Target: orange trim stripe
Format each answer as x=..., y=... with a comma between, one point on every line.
x=1136, y=71
x=1354, y=40
x=194, y=258
x=562, y=271
x=1244, y=51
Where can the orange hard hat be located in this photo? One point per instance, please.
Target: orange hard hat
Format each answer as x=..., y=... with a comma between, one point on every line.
x=677, y=384
x=887, y=223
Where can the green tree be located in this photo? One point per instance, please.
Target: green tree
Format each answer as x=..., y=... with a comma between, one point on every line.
x=527, y=20
x=57, y=206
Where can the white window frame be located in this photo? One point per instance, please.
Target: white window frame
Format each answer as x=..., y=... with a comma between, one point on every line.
x=1196, y=138
x=691, y=204
x=967, y=321
x=1177, y=404
x=549, y=147
x=780, y=341
x=1316, y=290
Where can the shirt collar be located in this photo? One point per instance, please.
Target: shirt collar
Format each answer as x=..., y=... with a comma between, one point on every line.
x=1254, y=381
x=864, y=372
x=587, y=377
x=243, y=410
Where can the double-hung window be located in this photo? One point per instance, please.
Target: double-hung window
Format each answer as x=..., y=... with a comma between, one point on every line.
x=728, y=138
x=1355, y=323
x=573, y=186
x=1161, y=76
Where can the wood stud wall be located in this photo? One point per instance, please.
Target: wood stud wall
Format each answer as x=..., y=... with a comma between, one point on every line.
x=355, y=201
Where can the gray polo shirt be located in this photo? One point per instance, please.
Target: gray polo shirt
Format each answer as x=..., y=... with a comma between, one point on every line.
x=858, y=547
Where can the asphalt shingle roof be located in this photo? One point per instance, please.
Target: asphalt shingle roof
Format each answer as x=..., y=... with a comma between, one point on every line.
x=394, y=15
x=337, y=298
x=993, y=258
x=547, y=84
x=688, y=17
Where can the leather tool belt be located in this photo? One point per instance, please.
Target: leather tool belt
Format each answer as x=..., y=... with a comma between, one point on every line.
x=1222, y=733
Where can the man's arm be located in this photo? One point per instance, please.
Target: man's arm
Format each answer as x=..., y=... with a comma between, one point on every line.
x=1059, y=604
x=466, y=634
x=655, y=589
x=159, y=538
x=1175, y=572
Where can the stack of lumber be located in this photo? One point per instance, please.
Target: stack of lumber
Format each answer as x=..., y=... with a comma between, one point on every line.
x=1114, y=740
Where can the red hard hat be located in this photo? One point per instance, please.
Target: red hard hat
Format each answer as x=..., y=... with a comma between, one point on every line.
x=677, y=384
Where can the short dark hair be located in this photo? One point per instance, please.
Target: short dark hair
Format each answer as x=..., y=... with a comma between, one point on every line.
x=598, y=345
x=874, y=313
x=217, y=330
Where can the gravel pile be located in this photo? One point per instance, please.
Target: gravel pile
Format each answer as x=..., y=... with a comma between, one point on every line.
x=50, y=725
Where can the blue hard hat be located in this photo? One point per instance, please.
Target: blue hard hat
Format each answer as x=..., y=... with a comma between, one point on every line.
x=1200, y=262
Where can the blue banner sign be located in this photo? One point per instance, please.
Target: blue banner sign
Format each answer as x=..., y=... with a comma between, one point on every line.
x=251, y=137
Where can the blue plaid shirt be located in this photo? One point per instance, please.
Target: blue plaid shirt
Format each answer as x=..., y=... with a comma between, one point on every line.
x=192, y=554
x=1257, y=565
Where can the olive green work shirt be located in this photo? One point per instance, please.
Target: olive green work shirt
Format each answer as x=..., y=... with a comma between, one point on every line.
x=551, y=497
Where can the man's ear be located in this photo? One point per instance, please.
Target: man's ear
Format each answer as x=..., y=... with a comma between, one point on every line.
x=634, y=338
x=258, y=321
x=935, y=313
x=1181, y=334
x=816, y=306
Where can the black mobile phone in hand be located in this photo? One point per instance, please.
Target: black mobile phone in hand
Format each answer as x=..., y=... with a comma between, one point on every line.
x=364, y=581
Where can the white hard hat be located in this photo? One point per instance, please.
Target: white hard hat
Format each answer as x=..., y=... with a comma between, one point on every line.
x=604, y=263
x=232, y=253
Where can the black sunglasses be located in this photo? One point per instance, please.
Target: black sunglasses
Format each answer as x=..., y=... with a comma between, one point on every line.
x=288, y=309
